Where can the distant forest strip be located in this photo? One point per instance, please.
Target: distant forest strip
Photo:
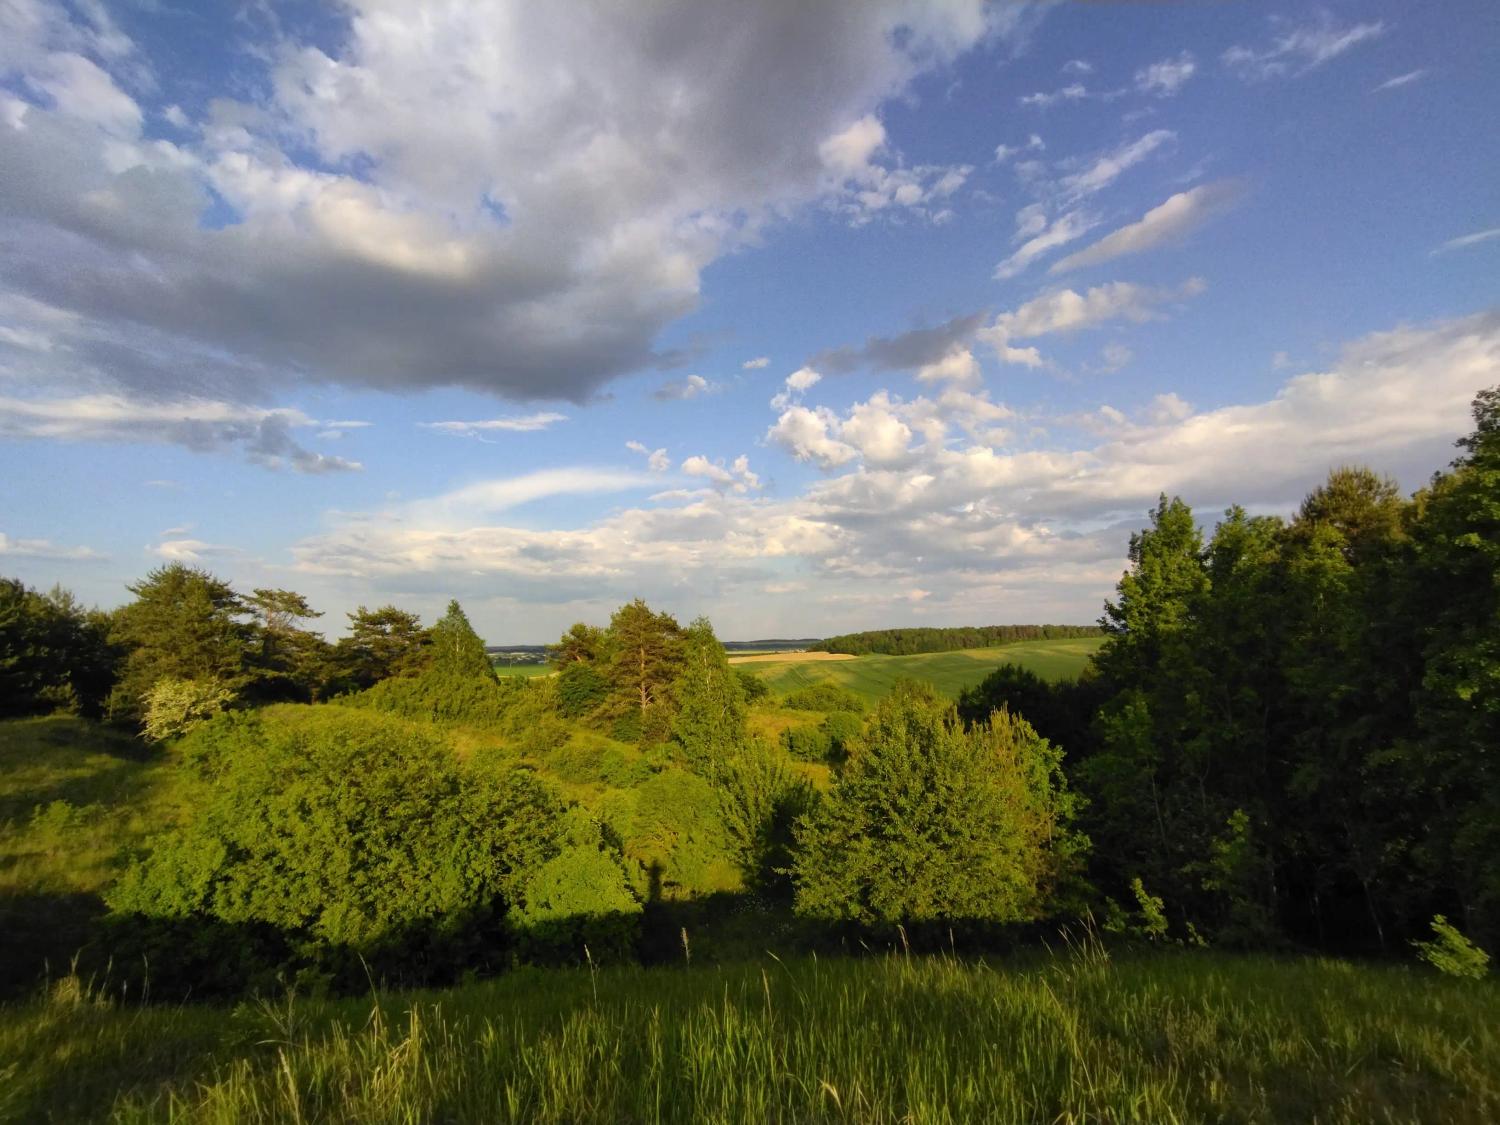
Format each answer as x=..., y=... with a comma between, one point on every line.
x=910, y=642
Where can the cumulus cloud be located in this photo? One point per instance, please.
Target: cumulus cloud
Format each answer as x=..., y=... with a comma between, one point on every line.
x=263, y=436
x=979, y=523
x=958, y=368
x=1066, y=310
x=736, y=478
x=656, y=459
x=1165, y=78
x=1169, y=221
x=1300, y=48
x=516, y=424
x=757, y=363
x=508, y=197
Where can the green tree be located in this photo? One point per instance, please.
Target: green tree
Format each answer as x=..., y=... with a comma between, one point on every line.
x=291, y=662
x=54, y=655
x=710, y=719
x=930, y=822
x=185, y=624
x=456, y=650
x=382, y=643
x=645, y=656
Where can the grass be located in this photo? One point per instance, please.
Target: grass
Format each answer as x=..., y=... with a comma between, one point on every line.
x=527, y=671
x=872, y=676
x=1156, y=1037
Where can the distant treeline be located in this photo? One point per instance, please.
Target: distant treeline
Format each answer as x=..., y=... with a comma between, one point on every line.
x=909, y=642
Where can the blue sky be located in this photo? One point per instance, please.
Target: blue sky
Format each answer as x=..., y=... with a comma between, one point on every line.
x=854, y=315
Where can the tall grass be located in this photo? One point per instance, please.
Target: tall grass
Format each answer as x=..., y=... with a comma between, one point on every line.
x=1154, y=1038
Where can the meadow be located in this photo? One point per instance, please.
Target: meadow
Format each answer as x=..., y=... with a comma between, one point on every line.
x=1079, y=1035
x=870, y=677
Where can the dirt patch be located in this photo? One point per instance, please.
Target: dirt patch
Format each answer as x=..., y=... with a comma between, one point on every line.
x=790, y=657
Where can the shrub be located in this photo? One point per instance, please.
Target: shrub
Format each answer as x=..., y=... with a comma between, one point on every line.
x=174, y=707
x=930, y=822
x=1452, y=954
x=579, y=904
x=807, y=743
x=331, y=833
x=824, y=696
x=753, y=687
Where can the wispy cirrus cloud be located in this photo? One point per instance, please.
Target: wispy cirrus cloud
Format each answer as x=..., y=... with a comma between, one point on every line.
x=1165, y=223
x=1467, y=240
x=515, y=424
x=1300, y=48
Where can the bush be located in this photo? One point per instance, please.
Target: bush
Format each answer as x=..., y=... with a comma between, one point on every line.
x=934, y=823
x=1452, y=954
x=174, y=707
x=578, y=905
x=753, y=687
x=824, y=696
x=324, y=835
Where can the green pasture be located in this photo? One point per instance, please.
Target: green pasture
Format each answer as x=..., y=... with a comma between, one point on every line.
x=951, y=672
x=525, y=670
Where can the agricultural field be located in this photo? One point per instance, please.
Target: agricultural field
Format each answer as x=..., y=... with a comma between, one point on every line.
x=872, y=676
x=525, y=671
x=1079, y=1035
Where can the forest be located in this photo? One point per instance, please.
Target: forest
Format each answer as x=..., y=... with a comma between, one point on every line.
x=910, y=641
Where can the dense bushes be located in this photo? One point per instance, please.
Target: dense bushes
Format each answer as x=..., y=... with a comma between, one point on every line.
x=824, y=696
x=332, y=835
x=931, y=822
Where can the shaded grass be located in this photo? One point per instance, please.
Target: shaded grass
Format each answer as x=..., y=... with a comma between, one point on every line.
x=872, y=676
x=1158, y=1037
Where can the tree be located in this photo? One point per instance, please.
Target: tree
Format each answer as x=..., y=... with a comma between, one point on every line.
x=456, y=650
x=292, y=662
x=933, y=823
x=382, y=643
x=710, y=719
x=53, y=654
x=645, y=656
x=186, y=624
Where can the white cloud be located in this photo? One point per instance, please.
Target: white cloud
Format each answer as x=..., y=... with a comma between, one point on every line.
x=1078, y=66
x=984, y=528
x=1004, y=152
x=526, y=194
x=1468, y=240
x=692, y=387
x=190, y=550
x=1045, y=236
x=1165, y=223
x=516, y=424
x=1111, y=165
x=1401, y=80
x=1066, y=310
x=45, y=549
x=736, y=478
x=958, y=368
x=757, y=363
x=656, y=459
x=1073, y=92
x=1300, y=49
x=264, y=436
x=1165, y=78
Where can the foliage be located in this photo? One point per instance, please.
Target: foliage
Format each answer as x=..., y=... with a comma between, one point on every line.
x=752, y=687
x=382, y=643
x=909, y=642
x=710, y=719
x=759, y=801
x=672, y=828
x=186, y=624
x=824, y=697
x=644, y=653
x=343, y=831
x=174, y=707
x=53, y=654
x=1452, y=954
x=931, y=822
x=578, y=905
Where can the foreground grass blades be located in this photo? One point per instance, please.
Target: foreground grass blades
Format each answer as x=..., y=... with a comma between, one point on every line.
x=1155, y=1037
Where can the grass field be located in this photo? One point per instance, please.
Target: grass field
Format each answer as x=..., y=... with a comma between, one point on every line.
x=1155, y=1037
x=526, y=670
x=872, y=676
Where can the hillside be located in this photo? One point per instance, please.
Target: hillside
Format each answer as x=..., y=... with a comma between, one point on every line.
x=870, y=677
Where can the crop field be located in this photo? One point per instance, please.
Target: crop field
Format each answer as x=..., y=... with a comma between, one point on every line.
x=951, y=672
x=527, y=671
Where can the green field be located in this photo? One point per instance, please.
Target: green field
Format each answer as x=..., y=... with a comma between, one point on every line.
x=951, y=672
x=525, y=670
x=1144, y=1037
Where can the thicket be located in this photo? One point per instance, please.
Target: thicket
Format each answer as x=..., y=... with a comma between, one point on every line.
x=911, y=641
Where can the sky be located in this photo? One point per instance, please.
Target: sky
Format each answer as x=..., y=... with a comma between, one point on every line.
x=810, y=318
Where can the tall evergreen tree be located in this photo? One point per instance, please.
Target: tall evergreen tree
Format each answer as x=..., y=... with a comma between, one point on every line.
x=710, y=719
